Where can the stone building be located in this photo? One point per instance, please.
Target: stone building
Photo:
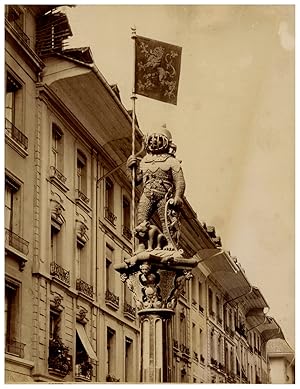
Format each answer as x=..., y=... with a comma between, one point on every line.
x=67, y=223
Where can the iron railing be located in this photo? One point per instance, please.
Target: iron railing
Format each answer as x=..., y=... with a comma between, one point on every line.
x=127, y=233
x=84, y=287
x=59, y=272
x=55, y=173
x=14, y=133
x=110, y=216
x=16, y=242
x=85, y=370
x=110, y=297
x=129, y=309
x=81, y=196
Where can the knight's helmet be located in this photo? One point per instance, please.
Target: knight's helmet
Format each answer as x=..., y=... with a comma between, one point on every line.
x=159, y=141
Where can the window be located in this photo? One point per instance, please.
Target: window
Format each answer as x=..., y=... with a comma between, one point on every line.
x=55, y=245
x=84, y=353
x=54, y=324
x=126, y=218
x=82, y=267
x=194, y=291
x=111, y=349
x=13, y=88
x=81, y=173
x=212, y=345
x=109, y=201
x=15, y=15
x=210, y=301
x=57, y=148
x=12, y=205
x=109, y=269
x=128, y=360
x=219, y=349
x=12, y=319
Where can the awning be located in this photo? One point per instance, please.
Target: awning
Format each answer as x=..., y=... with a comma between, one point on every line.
x=85, y=341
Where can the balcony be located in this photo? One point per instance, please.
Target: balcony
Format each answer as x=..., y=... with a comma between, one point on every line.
x=60, y=273
x=127, y=232
x=84, y=288
x=15, y=348
x=129, y=311
x=111, y=300
x=58, y=178
x=84, y=371
x=110, y=216
x=59, y=361
x=17, y=246
x=82, y=200
x=19, y=141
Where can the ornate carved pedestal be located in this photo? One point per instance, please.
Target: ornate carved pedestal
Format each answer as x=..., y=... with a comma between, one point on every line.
x=156, y=279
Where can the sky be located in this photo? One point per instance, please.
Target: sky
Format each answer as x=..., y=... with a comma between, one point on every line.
x=233, y=123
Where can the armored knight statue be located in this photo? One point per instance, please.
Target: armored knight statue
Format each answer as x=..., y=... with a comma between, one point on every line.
x=163, y=188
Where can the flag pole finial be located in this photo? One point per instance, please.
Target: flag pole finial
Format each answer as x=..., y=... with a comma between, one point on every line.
x=133, y=32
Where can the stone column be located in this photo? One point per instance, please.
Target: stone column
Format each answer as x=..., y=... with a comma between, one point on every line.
x=156, y=346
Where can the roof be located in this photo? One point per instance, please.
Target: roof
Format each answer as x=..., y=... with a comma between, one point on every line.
x=82, y=54
x=277, y=348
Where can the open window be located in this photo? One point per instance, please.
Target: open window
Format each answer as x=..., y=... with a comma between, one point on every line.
x=85, y=354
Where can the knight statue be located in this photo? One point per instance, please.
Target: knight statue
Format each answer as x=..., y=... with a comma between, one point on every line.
x=163, y=188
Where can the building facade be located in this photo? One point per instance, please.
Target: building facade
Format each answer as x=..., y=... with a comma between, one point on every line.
x=67, y=223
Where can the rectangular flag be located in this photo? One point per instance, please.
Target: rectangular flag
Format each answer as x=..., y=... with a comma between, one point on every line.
x=157, y=69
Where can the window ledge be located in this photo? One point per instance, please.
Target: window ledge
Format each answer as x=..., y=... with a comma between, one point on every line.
x=18, y=361
x=15, y=146
x=56, y=180
x=20, y=257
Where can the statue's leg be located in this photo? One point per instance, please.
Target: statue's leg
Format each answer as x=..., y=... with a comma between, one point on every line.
x=145, y=209
x=161, y=213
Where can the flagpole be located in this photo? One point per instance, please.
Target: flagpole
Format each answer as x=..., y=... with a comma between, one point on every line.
x=133, y=98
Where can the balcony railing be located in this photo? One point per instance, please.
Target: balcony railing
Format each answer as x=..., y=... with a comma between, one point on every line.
x=110, y=216
x=16, y=242
x=111, y=299
x=21, y=34
x=59, y=360
x=81, y=196
x=129, y=310
x=14, y=347
x=241, y=330
x=127, y=233
x=55, y=173
x=84, y=370
x=60, y=273
x=14, y=133
x=84, y=287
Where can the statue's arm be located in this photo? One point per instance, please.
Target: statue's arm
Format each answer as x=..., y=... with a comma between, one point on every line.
x=134, y=163
x=179, y=183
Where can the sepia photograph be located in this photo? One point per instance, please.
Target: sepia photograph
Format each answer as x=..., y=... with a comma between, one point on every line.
x=149, y=164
